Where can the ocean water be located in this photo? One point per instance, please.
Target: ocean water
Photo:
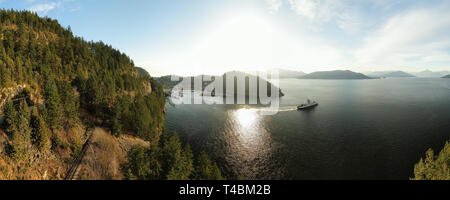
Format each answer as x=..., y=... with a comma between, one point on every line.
x=362, y=129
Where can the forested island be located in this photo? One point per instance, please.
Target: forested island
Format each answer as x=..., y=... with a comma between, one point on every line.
x=58, y=90
x=168, y=84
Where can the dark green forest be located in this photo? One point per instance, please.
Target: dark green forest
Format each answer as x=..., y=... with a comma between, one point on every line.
x=69, y=73
x=434, y=167
x=67, y=82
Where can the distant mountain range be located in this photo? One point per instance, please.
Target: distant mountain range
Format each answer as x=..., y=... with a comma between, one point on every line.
x=398, y=74
x=337, y=74
x=282, y=73
x=285, y=74
x=390, y=74
x=430, y=74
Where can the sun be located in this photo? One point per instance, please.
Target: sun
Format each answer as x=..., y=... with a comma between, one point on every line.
x=241, y=41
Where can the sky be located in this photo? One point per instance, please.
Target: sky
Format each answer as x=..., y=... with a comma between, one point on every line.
x=189, y=37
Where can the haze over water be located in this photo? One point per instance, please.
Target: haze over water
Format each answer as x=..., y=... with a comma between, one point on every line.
x=362, y=129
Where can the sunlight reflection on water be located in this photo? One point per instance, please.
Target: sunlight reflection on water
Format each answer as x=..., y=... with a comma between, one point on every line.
x=248, y=137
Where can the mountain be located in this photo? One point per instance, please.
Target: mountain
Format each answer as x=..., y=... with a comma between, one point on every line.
x=60, y=93
x=430, y=74
x=286, y=74
x=338, y=74
x=390, y=74
x=398, y=74
x=282, y=73
x=168, y=84
x=447, y=76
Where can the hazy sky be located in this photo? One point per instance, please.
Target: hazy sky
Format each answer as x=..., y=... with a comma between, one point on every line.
x=213, y=36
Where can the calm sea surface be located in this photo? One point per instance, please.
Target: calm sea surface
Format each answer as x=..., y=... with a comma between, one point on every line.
x=362, y=129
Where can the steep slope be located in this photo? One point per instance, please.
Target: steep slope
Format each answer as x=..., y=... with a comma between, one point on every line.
x=55, y=86
x=338, y=74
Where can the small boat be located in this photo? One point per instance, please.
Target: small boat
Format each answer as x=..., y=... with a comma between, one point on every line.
x=309, y=104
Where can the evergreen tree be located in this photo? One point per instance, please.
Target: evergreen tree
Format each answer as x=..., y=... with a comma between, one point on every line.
x=21, y=138
x=70, y=102
x=52, y=104
x=434, y=167
x=170, y=152
x=183, y=167
x=206, y=169
x=40, y=133
x=11, y=119
x=138, y=164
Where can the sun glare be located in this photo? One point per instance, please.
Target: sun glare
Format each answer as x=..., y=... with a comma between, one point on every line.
x=250, y=42
x=244, y=42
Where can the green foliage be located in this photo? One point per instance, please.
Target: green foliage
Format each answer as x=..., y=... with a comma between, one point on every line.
x=52, y=104
x=72, y=73
x=18, y=129
x=177, y=163
x=206, y=169
x=40, y=136
x=11, y=118
x=71, y=103
x=142, y=164
x=183, y=167
x=169, y=161
x=434, y=167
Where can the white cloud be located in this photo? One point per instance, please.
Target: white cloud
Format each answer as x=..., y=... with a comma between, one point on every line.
x=274, y=5
x=305, y=8
x=344, y=14
x=44, y=8
x=415, y=38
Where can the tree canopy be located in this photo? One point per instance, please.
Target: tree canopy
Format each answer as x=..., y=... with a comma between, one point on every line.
x=434, y=167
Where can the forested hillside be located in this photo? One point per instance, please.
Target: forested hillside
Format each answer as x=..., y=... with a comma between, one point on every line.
x=55, y=87
x=67, y=72
x=168, y=84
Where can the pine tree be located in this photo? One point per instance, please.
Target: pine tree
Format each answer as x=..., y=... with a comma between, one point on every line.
x=206, y=169
x=116, y=124
x=70, y=102
x=40, y=133
x=183, y=167
x=138, y=164
x=11, y=119
x=52, y=104
x=21, y=138
x=434, y=167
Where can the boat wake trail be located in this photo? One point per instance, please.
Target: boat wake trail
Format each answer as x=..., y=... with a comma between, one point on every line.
x=287, y=109
x=281, y=109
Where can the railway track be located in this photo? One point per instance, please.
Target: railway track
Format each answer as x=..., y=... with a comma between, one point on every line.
x=76, y=163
